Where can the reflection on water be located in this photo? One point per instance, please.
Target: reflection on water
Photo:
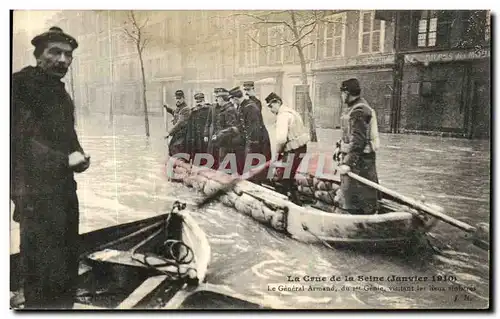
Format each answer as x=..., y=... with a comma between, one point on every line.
x=126, y=181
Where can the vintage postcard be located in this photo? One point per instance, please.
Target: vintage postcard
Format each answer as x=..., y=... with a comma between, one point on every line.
x=232, y=159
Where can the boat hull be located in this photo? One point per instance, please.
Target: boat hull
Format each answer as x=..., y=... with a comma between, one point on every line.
x=397, y=224
x=120, y=266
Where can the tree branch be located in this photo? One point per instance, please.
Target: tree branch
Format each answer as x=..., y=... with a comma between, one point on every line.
x=132, y=18
x=305, y=34
x=145, y=23
x=306, y=45
x=307, y=25
x=268, y=45
x=144, y=43
x=264, y=21
x=127, y=32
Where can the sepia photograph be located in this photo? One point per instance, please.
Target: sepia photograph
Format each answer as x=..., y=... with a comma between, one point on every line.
x=250, y=159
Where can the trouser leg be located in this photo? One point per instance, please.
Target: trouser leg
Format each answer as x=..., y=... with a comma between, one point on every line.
x=49, y=239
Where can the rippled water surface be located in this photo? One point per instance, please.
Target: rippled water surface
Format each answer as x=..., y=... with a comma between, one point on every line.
x=126, y=182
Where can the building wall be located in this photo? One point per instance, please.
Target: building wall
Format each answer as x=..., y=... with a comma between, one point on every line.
x=446, y=84
x=479, y=124
x=373, y=70
x=447, y=97
x=375, y=88
x=200, y=50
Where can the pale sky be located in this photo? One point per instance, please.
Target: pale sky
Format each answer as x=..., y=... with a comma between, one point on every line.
x=31, y=20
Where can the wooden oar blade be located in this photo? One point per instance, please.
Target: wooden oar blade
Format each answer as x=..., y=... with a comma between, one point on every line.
x=481, y=237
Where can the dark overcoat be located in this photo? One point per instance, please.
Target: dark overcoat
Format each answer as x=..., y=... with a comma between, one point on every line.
x=255, y=134
x=223, y=122
x=43, y=187
x=178, y=141
x=196, y=129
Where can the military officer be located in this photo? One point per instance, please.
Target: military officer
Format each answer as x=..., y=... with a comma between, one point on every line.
x=255, y=135
x=196, y=127
x=221, y=130
x=249, y=88
x=178, y=142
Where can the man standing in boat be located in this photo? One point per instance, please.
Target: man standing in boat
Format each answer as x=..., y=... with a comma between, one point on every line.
x=291, y=142
x=45, y=155
x=221, y=130
x=255, y=136
x=356, y=153
x=178, y=142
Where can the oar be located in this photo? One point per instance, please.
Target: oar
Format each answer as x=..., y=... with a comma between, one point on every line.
x=229, y=186
x=480, y=234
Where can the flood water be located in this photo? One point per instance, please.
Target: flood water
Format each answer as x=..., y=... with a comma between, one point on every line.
x=126, y=181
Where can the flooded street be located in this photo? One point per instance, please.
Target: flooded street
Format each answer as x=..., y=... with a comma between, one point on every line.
x=126, y=181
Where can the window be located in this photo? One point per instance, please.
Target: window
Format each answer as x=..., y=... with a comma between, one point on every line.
x=131, y=70
x=311, y=40
x=214, y=23
x=103, y=47
x=103, y=22
x=427, y=29
x=426, y=89
x=125, y=44
x=249, y=49
x=414, y=88
x=289, y=52
x=334, y=36
x=170, y=29
x=275, y=50
x=371, y=33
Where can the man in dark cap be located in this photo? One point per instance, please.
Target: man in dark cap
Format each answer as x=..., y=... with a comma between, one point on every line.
x=221, y=131
x=291, y=142
x=255, y=135
x=178, y=143
x=249, y=88
x=196, y=127
x=356, y=152
x=45, y=153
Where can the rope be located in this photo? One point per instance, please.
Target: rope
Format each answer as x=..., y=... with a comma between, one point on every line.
x=168, y=254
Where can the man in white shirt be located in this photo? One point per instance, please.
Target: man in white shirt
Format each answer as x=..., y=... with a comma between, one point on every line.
x=291, y=142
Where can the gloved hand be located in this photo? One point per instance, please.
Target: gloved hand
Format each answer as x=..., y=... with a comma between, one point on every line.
x=75, y=159
x=205, y=139
x=343, y=169
x=79, y=162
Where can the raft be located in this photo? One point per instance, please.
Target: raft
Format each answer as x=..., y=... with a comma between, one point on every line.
x=394, y=223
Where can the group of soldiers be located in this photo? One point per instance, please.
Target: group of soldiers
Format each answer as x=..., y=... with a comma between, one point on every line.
x=232, y=125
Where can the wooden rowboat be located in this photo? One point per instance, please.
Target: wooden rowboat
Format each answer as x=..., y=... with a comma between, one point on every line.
x=394, y=224
x=138, y=265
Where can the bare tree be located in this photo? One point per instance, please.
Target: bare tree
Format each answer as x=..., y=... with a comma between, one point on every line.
x=135, y=31
x=299, y=26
